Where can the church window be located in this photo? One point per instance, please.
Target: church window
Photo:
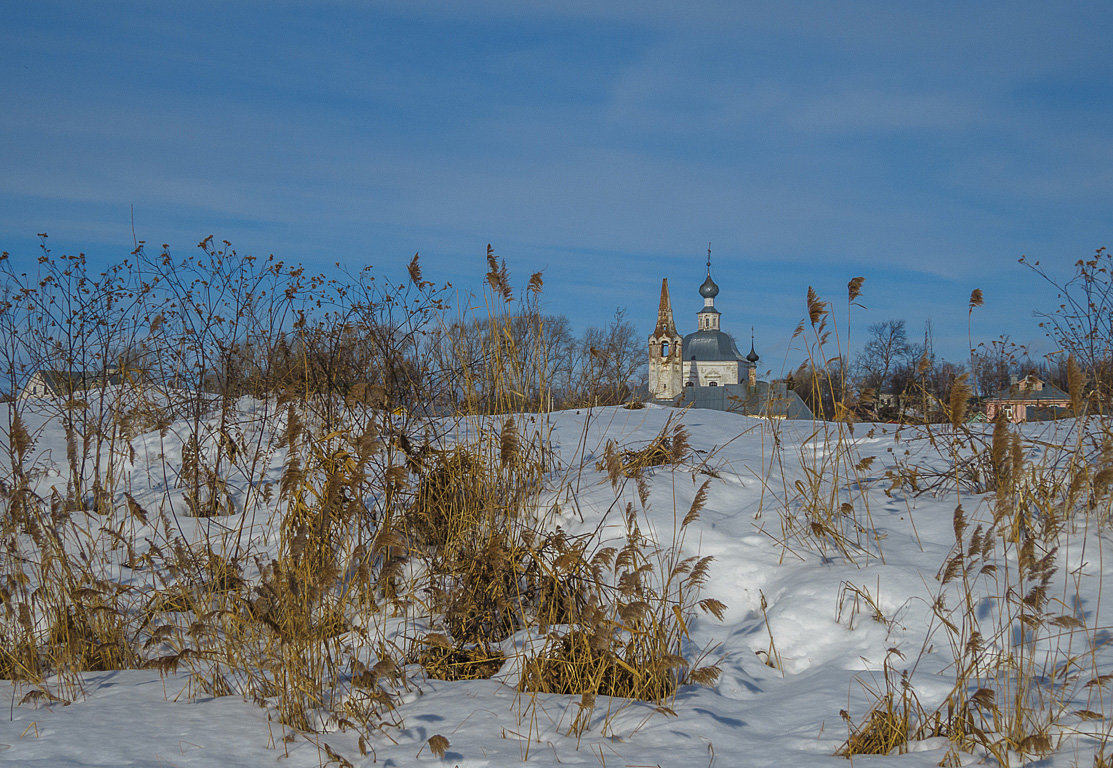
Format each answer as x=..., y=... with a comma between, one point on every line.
x=713, y=384
x=690, y=384
x=664, y=349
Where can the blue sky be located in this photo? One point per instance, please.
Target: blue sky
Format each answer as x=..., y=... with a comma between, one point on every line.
x=924, y=146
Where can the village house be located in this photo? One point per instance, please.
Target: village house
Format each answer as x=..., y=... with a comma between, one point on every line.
x=1030, y=399
x=46, y=383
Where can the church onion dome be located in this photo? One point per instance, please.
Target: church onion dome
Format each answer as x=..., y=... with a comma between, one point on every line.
x=752, y=357
x=709, y=289
x=710, y=346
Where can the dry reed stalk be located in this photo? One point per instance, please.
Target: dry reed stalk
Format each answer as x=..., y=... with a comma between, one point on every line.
x=360, y=498
x=1020, y=654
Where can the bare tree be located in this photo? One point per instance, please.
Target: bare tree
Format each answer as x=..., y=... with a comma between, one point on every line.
x=1082, y=324
x=204, y=310
x=609, y=362
x=523, y=360
x=80, y=328
x=996, y=363
x=820, y=386
x=886, y=348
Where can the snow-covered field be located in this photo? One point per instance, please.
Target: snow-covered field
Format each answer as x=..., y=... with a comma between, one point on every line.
x=831, y=567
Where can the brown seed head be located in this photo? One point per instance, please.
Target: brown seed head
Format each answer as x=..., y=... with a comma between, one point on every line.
x=816, y=308
x=854, y=287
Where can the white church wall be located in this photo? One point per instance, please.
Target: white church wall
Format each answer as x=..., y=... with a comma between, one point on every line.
x=706, y=371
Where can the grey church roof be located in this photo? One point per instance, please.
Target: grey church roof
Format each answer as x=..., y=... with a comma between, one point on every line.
x=710, y=345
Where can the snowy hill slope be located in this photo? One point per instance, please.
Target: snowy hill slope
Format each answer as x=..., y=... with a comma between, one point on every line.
x=834, y=553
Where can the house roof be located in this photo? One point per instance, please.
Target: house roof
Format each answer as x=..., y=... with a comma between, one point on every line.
x=71, y=381
x=1031, y=389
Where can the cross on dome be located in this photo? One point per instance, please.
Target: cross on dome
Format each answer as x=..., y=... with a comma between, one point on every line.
x=709, y=290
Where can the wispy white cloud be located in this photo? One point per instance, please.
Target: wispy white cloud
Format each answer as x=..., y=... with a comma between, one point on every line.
x=604, y=140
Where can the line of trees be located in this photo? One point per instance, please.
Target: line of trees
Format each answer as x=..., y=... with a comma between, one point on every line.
x=179, y=340
x=894, y=376
x=227, y=324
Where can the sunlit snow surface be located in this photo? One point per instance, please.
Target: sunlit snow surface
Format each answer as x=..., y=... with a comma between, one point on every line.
x=829, y=650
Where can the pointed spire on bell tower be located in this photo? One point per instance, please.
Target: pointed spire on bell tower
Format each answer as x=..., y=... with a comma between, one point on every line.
x=665, y=352
x=665, y=324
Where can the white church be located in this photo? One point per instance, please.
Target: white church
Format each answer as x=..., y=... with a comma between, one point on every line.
x=705, y=369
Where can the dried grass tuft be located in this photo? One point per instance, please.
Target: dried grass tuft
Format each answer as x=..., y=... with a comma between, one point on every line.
x=449, y=663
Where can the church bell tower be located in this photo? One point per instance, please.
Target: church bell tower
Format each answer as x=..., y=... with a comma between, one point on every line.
x=665, y=352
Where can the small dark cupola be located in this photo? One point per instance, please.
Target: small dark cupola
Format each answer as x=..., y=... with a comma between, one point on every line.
x=752, y=357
